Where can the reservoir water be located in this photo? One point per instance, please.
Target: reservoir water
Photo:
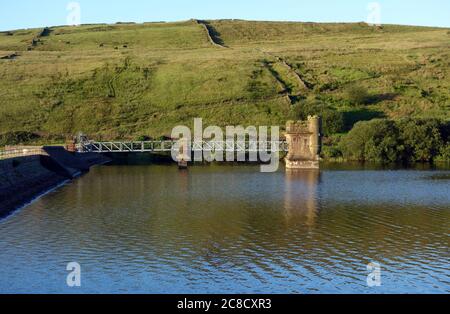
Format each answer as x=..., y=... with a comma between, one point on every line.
x=232, y=229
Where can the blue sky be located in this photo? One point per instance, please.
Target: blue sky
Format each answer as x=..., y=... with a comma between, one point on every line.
x=37, y=13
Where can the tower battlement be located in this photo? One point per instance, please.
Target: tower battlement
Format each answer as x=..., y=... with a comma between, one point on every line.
x=311, y=125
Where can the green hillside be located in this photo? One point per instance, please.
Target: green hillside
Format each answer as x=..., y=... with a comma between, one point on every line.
x=128, y=80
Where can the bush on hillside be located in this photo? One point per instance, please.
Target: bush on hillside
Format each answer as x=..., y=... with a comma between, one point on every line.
x=421, y=138
x=17, y=138
x=332, y=120
x=410, y=140
x=143, y=138
x=331, y=147
x=377, y=140
x=444, y=153
x=357, y=95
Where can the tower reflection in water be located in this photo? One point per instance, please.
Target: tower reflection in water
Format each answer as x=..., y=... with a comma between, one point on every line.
x=301, y=200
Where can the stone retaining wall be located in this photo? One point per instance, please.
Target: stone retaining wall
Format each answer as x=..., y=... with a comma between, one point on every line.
x=24, y=178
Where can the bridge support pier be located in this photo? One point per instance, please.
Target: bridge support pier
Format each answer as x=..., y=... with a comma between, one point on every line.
x=304, y=140
x=182, y=164
x=183, y=157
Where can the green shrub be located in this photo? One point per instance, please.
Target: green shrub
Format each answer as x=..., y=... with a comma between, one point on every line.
x=331, y=147
x=357, y=95
x=17, y=138
x=421, y=138
x=163, y=138
x=444, y=153
x=143, y=138
x=331, y=152
x=408, y=140
x=332, y=120
x=377, y=140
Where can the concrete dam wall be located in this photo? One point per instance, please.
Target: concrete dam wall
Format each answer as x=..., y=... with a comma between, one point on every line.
x=24, y=178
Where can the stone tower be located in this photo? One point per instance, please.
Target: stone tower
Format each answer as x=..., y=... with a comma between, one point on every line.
x=303, y=138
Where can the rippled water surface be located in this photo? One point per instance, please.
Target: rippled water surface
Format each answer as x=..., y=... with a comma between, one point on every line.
x=154, y=229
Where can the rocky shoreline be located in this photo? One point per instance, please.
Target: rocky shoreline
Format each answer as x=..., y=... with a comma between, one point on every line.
x=22, y=179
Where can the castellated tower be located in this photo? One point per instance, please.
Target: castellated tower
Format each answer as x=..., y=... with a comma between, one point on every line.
x=304, y=142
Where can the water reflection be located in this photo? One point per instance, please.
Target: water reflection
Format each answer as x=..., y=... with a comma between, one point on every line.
x=300, y=197
x=232, y=229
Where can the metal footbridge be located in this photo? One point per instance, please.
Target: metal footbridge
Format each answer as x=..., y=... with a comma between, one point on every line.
x=168, y=146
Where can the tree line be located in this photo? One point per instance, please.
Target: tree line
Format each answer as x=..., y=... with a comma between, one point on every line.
x=392, y=141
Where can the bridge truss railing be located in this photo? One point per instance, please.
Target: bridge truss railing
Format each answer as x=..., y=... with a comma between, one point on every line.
x=168, y=146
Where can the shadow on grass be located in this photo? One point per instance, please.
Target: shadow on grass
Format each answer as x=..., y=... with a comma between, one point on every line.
x=375, y=99
x=355, y=116
x=213, y=32
x=45, y=32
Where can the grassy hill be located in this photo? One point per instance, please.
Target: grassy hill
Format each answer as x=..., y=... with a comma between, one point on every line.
x=127, y=80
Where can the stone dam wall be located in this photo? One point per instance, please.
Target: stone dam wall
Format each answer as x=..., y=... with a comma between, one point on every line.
x=22, y=179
